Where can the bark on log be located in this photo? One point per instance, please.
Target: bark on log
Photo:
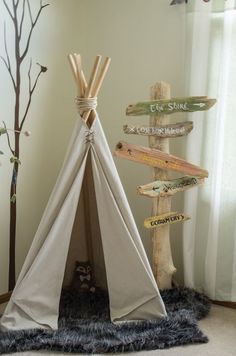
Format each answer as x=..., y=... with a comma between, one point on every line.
x=162, y=262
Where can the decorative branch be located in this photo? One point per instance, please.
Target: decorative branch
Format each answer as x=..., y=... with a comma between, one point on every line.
x=8, y=138
x=17, y=3
x=30, y=13
x=31, y=30
x=8, y=10
x=5, y=45
x=22, y=19
x=31, y=90
x=29, y=75
x=7, y=61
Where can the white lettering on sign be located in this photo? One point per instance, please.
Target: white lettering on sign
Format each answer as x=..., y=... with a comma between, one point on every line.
x=158, y=130
x=170, y=107
x=156, y=108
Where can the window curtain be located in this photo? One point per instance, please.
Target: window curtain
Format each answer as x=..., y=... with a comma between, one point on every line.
x=210, y=236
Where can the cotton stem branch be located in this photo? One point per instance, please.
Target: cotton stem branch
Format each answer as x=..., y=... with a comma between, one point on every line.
x=22, y=19
x=33, y=24
x=31, y=91
x=30, y=12
x=17, y=3
x=9, y=71
x=8, y=139
x=8, y=10
x=7, y=60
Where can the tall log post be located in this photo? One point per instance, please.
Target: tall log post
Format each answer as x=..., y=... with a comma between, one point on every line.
x=163, y=267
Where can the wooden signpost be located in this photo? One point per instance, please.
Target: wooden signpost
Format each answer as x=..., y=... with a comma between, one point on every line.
x=157, y=156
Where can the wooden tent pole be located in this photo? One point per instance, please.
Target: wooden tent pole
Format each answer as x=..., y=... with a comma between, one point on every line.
x=85, y=90
x=97, y=85
x=76, y=66
x=86, y=189
x=4, y=298
x=93, y=76
x=87, y=216
x=163, y=267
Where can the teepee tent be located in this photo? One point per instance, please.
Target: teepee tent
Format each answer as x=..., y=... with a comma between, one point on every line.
x=87, y=217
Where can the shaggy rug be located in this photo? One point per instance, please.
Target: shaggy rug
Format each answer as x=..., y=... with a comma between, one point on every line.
x=84, y=326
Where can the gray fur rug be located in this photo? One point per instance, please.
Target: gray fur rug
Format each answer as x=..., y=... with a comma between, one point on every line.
x=84, y=326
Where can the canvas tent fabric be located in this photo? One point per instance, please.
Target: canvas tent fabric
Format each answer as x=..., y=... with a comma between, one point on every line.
x=133, y=294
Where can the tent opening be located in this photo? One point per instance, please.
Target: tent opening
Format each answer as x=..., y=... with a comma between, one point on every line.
x=86, y=242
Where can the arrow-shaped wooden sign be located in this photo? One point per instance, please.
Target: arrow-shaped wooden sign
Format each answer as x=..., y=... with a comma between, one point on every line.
x=166, y=107
x=157, y=158
x=169, y=187
x=167, y=131
x=164, y=219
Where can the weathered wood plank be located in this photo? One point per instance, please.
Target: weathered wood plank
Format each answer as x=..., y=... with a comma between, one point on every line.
x=169, y=187
x=4, y=298
x=157, y=158
x=166, y=107
x=163, y=131
x=162, y=261
x=165, y=219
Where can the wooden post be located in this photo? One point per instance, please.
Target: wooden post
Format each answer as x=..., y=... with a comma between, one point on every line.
x=163, y=267
x=157, y=156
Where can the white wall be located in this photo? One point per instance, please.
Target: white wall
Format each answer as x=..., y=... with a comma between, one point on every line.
x=145, y=40
x=50, y=120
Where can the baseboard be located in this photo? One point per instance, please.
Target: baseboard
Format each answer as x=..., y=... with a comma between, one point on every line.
x=4, y=298
x=225, y=304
